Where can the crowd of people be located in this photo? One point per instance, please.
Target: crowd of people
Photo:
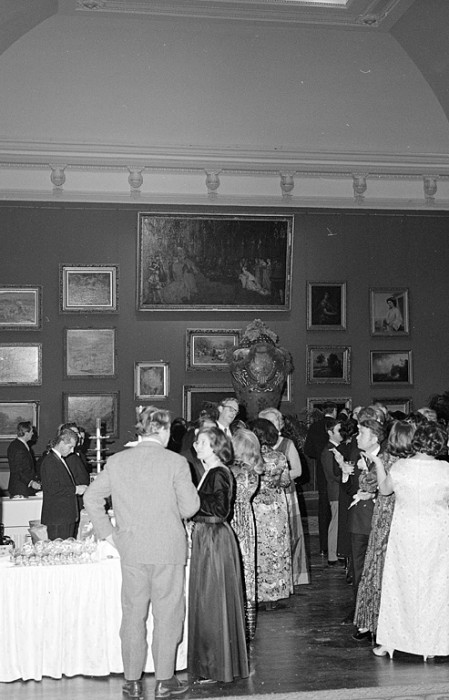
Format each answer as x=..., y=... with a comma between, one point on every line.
x=383, y=484
x=222, y=492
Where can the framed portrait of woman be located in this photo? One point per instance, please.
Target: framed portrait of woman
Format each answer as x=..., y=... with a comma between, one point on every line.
x=389, y=311
x=326, y=306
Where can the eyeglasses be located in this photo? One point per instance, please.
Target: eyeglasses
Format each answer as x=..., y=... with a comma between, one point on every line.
x=231, y=408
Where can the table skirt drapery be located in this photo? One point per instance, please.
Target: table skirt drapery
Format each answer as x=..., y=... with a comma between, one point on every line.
x=64, y=620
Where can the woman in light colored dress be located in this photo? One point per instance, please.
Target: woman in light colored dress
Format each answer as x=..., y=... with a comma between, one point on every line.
x=287, y=447
x=247, y=467
x=273, y=550
x=414, y=606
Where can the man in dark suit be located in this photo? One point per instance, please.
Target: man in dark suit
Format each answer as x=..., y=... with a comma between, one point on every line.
x=152, y=492
x=23, y=480
x=316, y=440
x=60, y=511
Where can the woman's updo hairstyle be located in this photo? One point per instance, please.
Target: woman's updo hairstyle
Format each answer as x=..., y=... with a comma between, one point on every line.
x=430, y=439
x=152, y=420
x=400, y=439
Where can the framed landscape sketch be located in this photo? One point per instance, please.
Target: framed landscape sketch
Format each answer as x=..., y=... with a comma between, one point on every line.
x=20, y=364
x=319, y=403
x=151, y=380
x=391, y=367
x=206, y=349
x=326, y=306
x=14, y=412
x=89, y=352
x=20, y=308
x=194, y=398
x=85, y=408
x=389, y=313
x=394, y=404
x=328, y=364
x=214, y=262
x=88, y=288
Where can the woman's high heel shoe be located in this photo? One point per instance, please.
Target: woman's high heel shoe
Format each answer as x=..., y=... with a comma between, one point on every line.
x=428, y=657
x=383, y=651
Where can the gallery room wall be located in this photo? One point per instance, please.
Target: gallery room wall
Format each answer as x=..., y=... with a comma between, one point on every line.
x=364, y=249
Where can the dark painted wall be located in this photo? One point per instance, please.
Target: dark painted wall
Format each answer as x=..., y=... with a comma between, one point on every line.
x=365, y=249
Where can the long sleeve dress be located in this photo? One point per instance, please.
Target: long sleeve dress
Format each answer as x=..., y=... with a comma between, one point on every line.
x=216, y=636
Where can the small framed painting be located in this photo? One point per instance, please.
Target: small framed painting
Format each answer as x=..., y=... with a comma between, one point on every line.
x=20, y=364
x=14, y=412
x=395, y=404
x=89, y=352
x=326, y=306
x=20, y=308
x=328, y=364
x=88, y=407
x=207, y=349
x=195, y=397
x=88, y=288
x=391, y=367
x=318, y=403
x=151, y=380
x=389, y=313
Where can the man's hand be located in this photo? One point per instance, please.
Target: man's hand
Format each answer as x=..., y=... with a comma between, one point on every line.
x=80, y=489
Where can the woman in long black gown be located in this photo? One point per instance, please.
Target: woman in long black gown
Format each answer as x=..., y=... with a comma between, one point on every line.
x=216, y=638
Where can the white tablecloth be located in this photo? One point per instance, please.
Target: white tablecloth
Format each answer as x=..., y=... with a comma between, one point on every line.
x=64, y=620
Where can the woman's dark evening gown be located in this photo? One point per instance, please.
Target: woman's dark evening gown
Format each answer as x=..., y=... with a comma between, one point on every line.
x=216, y=636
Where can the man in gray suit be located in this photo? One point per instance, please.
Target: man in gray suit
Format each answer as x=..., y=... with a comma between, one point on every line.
x=152, y=491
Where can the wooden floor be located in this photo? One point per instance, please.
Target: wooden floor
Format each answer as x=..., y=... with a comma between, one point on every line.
x=302, y=647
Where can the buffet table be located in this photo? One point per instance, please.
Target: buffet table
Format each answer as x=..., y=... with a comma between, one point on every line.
x=15, y=514
x=64, y=620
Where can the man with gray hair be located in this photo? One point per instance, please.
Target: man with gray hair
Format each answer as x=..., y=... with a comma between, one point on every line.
x=152, y=491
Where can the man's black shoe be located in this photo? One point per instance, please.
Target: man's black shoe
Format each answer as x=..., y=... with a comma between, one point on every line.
x=133, y=689
x=171, y=686
x=362, y=636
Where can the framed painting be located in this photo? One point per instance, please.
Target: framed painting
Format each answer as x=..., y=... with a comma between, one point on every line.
x=328, y=364
x=404, y=405
x=20, y=364
x=326, y=306
x=196, y=397
x=89, y=352
x=207, y=349
x=214, y=262
x=151, y=380
x=84, y=408
x=14, y=412
x=391, y=367
x=88, y=288
x=20, y=308
x=389, y=314
x=318, y=403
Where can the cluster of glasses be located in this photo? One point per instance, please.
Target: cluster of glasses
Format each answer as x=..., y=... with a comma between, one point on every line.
x=52, y=552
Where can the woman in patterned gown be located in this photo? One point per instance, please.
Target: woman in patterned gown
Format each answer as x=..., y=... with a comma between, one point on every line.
x=287, y=447
x=247, y=467
x=414, y=606
x=369, y=590
x=216, y=635
x=273, y=549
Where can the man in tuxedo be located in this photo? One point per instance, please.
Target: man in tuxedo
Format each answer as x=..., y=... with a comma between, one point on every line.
x=23, y=479
x=332, y=475
x=228, y=409
x=60, y=511
x=315, y=442
x=152, y=492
